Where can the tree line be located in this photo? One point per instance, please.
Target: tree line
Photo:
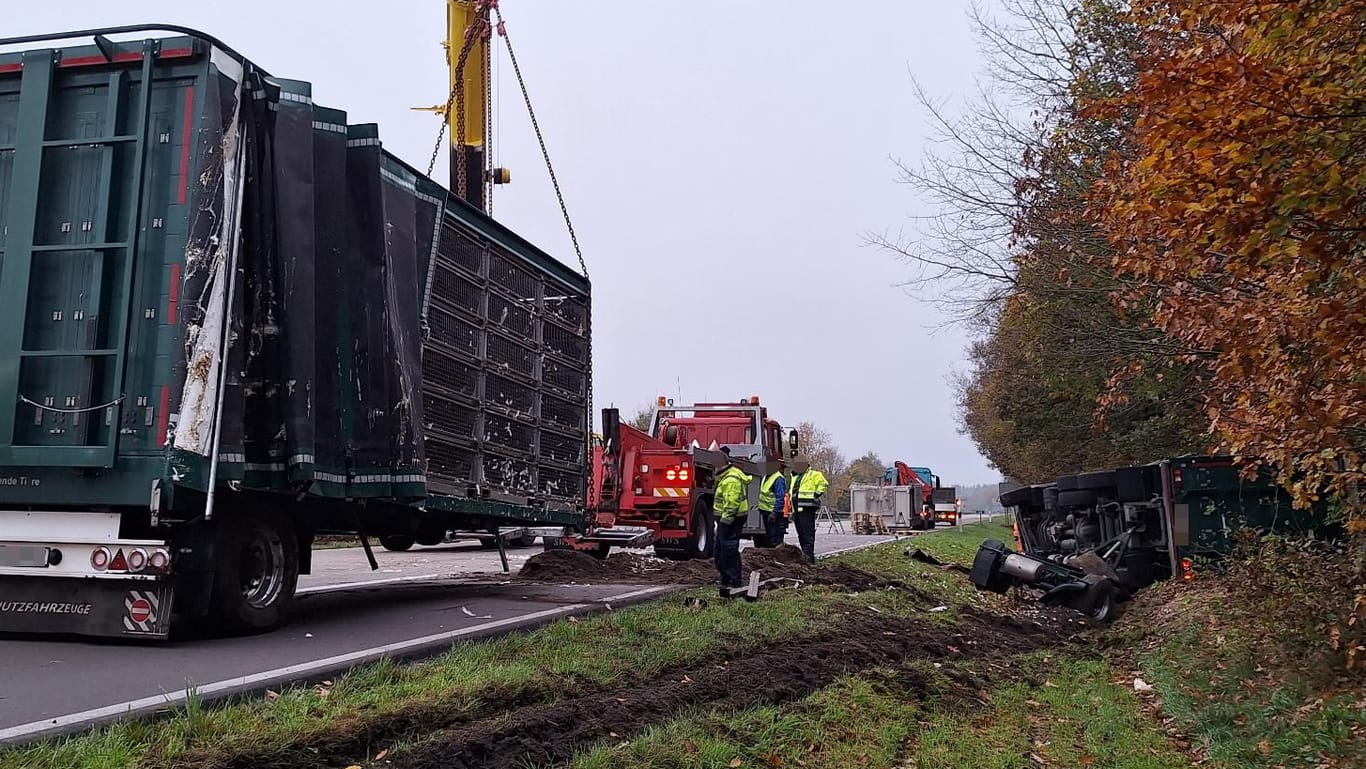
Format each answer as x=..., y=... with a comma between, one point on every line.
x=1152, y=214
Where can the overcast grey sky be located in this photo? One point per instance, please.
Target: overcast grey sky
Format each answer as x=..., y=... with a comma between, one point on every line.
x=721, y=160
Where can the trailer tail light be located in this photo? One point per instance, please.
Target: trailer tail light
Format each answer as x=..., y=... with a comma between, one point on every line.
x=671, y=474
x=1187, y=570
x=683, y=474
x=160, y=560
x=99, y=559
x=676, y=473
x=137, y=559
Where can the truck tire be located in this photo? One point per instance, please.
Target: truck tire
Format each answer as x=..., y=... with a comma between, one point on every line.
x=1100, y=600
x=1095, y=481
x=1069, y=499
x=397, y=543
x=1024, y=496
x=701, y=539
x=1137, y=484
x=256, y=568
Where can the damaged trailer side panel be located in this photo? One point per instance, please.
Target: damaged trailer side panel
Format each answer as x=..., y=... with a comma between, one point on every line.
x=226, y=300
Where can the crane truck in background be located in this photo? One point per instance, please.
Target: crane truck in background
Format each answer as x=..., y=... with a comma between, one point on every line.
x=941, y=500
x=655, y=487
x=235, y=322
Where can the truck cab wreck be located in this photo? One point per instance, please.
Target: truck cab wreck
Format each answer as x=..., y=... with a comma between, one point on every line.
x=1091, y=540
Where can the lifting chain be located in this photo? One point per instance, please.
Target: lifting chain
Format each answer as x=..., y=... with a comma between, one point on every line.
x=456, y=99
x=501, y=27
x=488, y=128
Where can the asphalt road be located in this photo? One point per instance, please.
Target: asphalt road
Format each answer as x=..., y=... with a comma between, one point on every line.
x=417, y=604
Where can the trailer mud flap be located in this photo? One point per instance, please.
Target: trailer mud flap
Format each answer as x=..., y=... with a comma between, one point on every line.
x=108, y=608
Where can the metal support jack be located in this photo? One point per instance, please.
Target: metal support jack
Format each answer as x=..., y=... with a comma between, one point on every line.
x=502, y=548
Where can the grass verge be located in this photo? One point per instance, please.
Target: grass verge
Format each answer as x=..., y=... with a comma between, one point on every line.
x=872, y=718
x=601, y=651
x=923, y=716
x=1252, y=665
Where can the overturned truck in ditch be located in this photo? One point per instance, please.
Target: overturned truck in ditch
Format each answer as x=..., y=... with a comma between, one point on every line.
x=1090, y=541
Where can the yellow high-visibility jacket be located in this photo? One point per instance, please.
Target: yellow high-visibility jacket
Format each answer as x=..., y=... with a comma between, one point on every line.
x=806, y=487
x=732, y=494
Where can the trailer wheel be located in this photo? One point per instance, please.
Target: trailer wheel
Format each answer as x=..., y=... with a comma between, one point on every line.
x=397, y=542
x=256, y=568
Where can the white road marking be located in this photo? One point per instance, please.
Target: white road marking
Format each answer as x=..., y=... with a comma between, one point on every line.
x=363, y=583
x=296, y=672
x=852, y=549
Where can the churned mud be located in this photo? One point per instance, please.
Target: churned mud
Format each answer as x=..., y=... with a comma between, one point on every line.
x=525, y=728
x=549, y=734
x=537, y=727
x=784, y=561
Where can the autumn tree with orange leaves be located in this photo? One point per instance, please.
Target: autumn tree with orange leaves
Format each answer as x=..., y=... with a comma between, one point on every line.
x=1241, y=205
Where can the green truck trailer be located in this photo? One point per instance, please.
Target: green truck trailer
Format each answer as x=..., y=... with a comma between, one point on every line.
x=233, y=321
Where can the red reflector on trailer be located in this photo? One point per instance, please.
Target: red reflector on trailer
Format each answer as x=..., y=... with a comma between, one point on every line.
x=119, y=563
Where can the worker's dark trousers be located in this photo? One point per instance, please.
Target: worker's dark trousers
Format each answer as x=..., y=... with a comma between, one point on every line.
x=805, y=521
x=775, y=525
x=728, y=551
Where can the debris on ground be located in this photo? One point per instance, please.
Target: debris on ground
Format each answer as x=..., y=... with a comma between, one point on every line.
x=782, y=562
x=924, y=557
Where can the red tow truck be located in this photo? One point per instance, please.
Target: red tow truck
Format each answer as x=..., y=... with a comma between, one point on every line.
x=656, y=487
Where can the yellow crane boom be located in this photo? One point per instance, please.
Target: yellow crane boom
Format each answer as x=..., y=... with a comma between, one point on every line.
x=466, y=110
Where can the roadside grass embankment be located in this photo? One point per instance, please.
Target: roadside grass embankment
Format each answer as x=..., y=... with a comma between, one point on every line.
x=918, y=671
x=1256, y=666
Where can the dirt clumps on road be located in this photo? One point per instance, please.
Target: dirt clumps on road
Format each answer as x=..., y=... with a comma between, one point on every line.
x=784, y=561
x=549, y=734
x=563, y=566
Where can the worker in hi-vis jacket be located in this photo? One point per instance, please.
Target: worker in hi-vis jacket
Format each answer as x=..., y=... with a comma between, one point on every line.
x=807, y=492
x=731, y=506
x=773, y=504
